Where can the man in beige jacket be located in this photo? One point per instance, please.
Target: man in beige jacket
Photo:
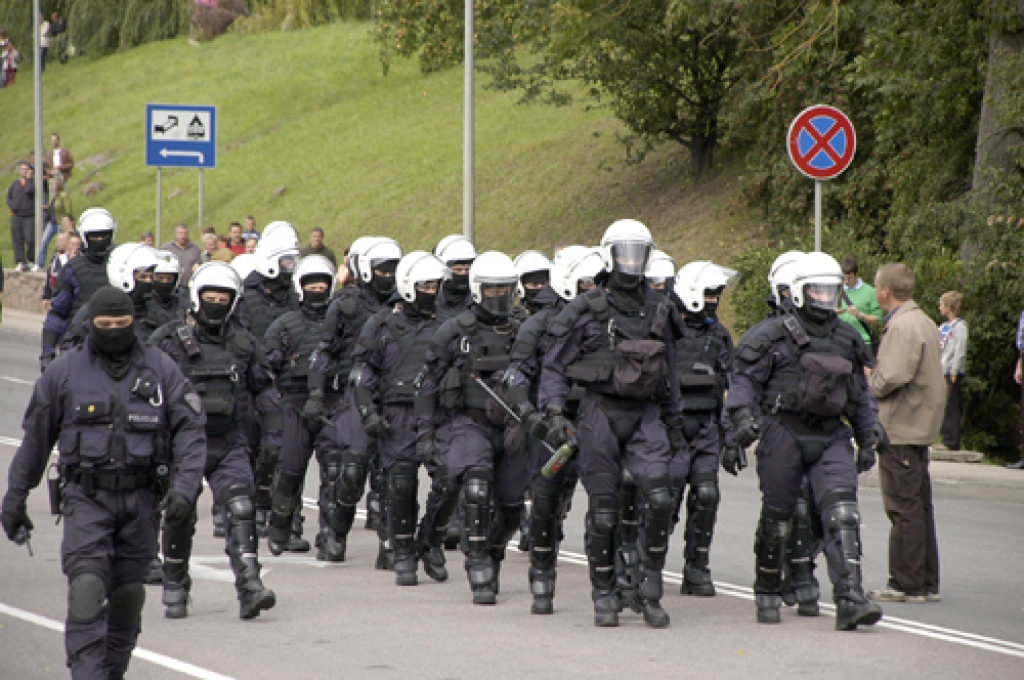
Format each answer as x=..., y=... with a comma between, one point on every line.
x=908, y=383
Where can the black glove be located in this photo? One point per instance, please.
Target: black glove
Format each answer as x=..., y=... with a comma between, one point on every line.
x=674, y=428
x=15, y=520
x=313, y=411
x=45, y=360
x=374, y=424
x=176, y=507
x=532, y=421
x=734, y=458
x=747, y=429
x=866, y=457
x=882, y=443
x=426, y=449
x=560, y=428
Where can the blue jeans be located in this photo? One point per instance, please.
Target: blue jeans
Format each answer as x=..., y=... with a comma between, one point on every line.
x=48, y=234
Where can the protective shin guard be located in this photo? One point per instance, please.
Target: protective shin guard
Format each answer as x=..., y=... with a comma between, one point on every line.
x=441, y=503
x=375, y=512
x=544, y=520
x=800, y=549
x=842, y=515
x=602, y=518
x=701, y=513
x=332, y=539
x=403, y=482
x=284, y=503
x=627, y=556
x=123, y=626
x=242, y=548
x=657, y=520
x=476, y=528
x=177, y=549
x=769, y=550
x=349, y=489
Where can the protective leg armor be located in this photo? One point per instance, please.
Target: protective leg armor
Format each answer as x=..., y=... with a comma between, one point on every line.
x=284, y=503
x=430, y=537
x=476, y=528
x=701, y=512
x=242, y=547
x=375, y=496
x=266, y=466
x=332, y=540
x=403, y=482
x=801, y=585
x=602, y=518
x=769, y=550
x=544, y=523
x=658, y=507
x=627, y=556
x=177, y=549
x=853, y=609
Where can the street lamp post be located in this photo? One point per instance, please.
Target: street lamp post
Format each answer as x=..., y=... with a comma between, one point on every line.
x=468, y=203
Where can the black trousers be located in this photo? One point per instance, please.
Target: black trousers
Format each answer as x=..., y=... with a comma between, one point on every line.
x=954, y=415
x=23, y=238
x=907, y=496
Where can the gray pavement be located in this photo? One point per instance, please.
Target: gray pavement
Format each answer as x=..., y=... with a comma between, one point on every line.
x=349, y=620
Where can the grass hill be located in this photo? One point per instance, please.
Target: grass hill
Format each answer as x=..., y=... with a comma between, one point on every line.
x=358, y=152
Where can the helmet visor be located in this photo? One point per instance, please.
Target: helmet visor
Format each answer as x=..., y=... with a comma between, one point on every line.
x=631, y=257
x=287, y=263
x=822, y=295
x=497, y=298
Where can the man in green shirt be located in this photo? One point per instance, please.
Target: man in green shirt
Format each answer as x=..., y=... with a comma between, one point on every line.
x=316, y=246
x=859, y=305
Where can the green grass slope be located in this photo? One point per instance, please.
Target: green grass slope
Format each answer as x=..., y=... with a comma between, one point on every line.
x=357, y=152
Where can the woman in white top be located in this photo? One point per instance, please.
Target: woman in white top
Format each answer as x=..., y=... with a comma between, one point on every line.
x=953, y=348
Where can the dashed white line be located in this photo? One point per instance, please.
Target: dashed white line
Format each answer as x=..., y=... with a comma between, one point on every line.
x=20, y=381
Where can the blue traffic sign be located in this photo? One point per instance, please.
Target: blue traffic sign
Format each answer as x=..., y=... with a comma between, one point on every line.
x=179, y=136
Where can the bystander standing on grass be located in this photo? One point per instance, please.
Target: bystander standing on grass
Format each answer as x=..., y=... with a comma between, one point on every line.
x=316, y=246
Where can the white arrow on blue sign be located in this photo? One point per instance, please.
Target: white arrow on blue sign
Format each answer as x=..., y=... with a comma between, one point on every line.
x=179, y=136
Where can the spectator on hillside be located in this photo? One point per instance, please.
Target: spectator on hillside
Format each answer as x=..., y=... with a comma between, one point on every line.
x=74, y=244
x=8, y=56
x=860, y=306
x=21, y=197
x=316, y=247
x=250, y=245
x=60, y=259
x=236, y=243
x=250, y=229
x=908, y=384
x=148, y=239
x=57, y=24
x=209, y=247
x=59, y=205
x=185, y=250
x=953, y=347
x=59, y=159
x=44, y=41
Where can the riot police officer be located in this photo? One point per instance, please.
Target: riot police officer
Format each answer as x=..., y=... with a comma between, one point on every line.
x=457, y=253
x=388, y=359
x=167, y=304
x=462, y=421
x=372, y=263
x=572, y=273
x=123, y=417
x=223, y=361
x=289, y=343
x=703, y=362
x=534, y=270
x=618, y=342
x=79, y=280
x=661, y=272
x=803, y=372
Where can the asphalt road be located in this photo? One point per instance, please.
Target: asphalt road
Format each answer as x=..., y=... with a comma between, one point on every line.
x=351, y=621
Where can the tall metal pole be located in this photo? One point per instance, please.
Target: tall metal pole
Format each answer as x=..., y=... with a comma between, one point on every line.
x=468, y=203
x=159, y=204
x=817, y=215
x=200, y=200
x=37, y=72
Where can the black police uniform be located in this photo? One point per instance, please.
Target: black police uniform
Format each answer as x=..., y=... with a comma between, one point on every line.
x=225, y=366
x=116, y=440
x=618, y=343
x=470, y=431
x=77, y=282
x=804, y=376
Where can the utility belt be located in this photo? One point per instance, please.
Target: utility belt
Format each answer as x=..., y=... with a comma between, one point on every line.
x=91, y=479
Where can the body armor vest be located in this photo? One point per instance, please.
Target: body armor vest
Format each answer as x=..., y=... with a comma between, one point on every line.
x=697, y=355
x=264, y=309
x=413, y=338
x=91, y=277
x=305, y=331
x=108, y=424
x=158, y=314
x=356, y=309
x=487, y=351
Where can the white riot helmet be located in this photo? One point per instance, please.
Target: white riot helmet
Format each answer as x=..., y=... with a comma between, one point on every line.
x=661, y=270
x=817, y=285
x=279, y=225
x=218, y=276
x=626, y=247
x=277, y=251
x=244, y=265
x=357, y=248
x=416, y=268
x=166, y=263
x=376, y=264
x=536, y=268
x=125, y=261
x=456, y=249
x=782, y=270
x=492, y=283
x=695, y=280
x=314, y=268
x=96, y=222
x=575, y=267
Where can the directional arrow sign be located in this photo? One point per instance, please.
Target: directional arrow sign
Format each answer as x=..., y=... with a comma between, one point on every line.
x=181, y=136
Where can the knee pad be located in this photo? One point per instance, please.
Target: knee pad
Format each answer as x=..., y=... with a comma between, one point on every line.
x=658, y=497
x=476, y=488
x=330, y=466
x=403, y=480
x=126, y=603
x=287, y=488
x=843, y=513
x=546, y=500
x=237, y=500
x=87, y=597
x=705, y=490
x=603, y=515
x=352, y=479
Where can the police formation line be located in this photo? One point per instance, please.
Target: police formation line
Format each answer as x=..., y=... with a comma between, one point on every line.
x=507, y=380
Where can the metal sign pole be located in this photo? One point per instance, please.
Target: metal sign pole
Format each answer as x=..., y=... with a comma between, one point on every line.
x=817, y=215
x=200, y=200
x=159, y=204
x=468, y=226
x=37, y=72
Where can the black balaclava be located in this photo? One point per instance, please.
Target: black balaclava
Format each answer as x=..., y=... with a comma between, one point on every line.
x=382, y=287
x=97, y=245
x=457, y=287
x=213, y=315
x=165, y=291
x=316, y=302
x=425, y=303
x=542, y=277
x=141, y=291
x=113, y=346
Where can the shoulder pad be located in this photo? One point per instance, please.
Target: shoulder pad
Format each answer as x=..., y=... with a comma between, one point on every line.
x=448, y=331
x=348, y=305
x=567, y=318
x=243, y=342
x=758, y=340
x=598, y=303
x=467, y=320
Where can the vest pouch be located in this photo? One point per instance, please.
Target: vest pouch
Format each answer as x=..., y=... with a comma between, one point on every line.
x=640, y=368
x=143, y=427
x=67, y=447
x=592, y=369
x=93, y=420
x=490, y=364
x=450, y=394
x=823, y=386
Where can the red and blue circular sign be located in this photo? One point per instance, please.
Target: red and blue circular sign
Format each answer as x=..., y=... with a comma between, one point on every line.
x=821, y=142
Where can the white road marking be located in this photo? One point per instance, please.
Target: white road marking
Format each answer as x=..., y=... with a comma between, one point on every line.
x=20, y=381
x=146, y=655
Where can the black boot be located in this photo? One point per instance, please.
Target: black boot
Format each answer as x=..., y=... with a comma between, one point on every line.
x=768, y=607
x=769, y=550
x=253, y=597
x=701, y=513
x=285, y=503
x=296, y=543
x=602, y=518
x=176, y=597
x=651, y=589
x=801, y=549
x=544, y=530
x=330, y=547
x=476, y=531
x=853, y=609
x=430, y=535
x=657, y=522
x=155, y=572
x=402, y=485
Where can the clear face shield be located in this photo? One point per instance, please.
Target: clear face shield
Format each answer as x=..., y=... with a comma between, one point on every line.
x=822, y=296
x=498, y=298
x=287, y=263
x=631, y=258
